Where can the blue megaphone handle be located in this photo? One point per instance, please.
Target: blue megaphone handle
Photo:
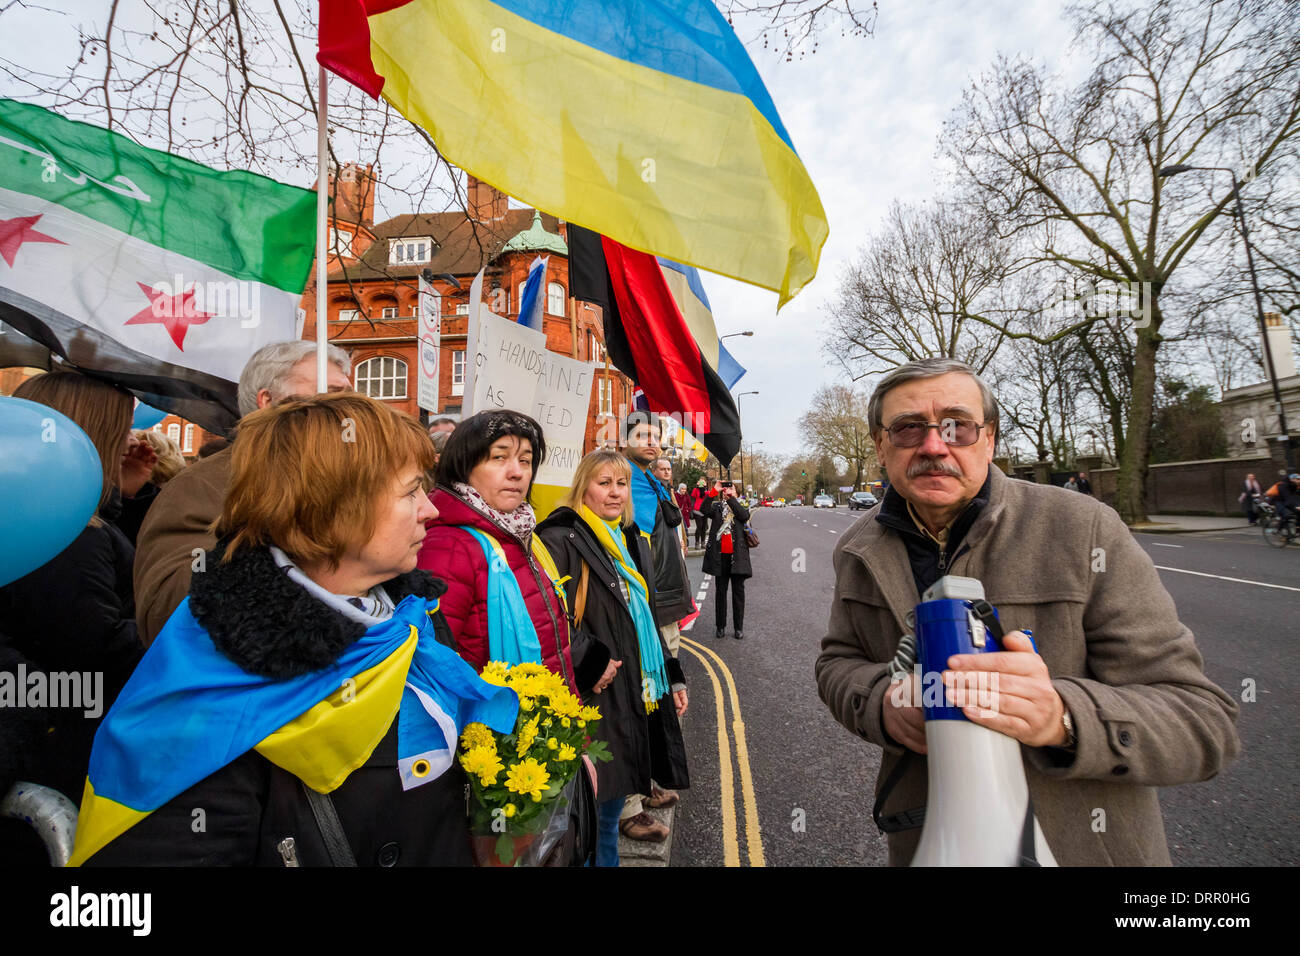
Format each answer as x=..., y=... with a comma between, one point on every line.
x=943, y=629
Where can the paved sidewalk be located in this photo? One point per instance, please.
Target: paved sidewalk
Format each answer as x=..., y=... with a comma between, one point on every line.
x=642, y=853
x=1185, y=524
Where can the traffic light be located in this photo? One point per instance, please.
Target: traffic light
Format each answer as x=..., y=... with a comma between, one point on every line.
x=804, y=473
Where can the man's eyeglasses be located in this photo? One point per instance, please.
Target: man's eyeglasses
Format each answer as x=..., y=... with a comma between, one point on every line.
x=953, y=431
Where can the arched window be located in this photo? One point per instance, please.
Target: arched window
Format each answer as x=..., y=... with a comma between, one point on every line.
x=382, y=377
x=555, y=298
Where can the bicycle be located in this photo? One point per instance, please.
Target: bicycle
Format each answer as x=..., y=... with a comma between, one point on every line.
x=1276, y=532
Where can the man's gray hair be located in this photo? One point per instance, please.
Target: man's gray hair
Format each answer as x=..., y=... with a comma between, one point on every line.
x=926, y=368
x=272, y=363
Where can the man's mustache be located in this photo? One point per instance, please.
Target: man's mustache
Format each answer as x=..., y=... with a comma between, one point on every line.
x=921, y=465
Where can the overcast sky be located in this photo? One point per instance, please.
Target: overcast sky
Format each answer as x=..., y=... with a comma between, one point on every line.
x=864, y=114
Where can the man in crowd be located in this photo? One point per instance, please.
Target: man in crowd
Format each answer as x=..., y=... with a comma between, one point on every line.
x=175, y=532
x=1117, y=704
x=441, y=426
x=1084, y=484
x=657, y=516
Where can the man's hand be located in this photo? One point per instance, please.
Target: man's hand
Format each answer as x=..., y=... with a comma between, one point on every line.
x=138, y=462
x=902, y=714
x=1016, y=698
x=607, y=678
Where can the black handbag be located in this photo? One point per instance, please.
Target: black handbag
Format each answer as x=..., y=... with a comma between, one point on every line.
x=751, y=537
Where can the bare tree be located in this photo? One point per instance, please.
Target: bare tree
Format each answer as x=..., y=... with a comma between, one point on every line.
x=914, y=288
x=835, y=427
x=789, y=26
x=1174, y=82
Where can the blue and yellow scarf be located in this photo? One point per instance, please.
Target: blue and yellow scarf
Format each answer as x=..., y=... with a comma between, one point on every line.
x=188, y=711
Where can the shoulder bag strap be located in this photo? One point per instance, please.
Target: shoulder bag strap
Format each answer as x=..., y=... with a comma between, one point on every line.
x=580, y=601
x=331, y=830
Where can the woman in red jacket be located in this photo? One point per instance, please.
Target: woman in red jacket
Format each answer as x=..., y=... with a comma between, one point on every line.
x=485, y=477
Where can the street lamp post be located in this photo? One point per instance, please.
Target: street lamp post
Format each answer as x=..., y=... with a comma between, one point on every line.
x=730, y=335
x=739, y=396
x=742, y=463
x=1167, y=171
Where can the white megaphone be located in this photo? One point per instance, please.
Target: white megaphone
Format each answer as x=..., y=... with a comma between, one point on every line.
x=978, y=812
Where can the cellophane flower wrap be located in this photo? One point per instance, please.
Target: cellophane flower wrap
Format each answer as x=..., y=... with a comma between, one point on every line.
x=523, y=782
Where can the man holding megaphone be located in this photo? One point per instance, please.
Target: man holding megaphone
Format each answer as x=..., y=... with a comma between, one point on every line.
x=1108, y=701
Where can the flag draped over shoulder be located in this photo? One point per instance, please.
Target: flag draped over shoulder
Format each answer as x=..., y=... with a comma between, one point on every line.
x=153, y=271
x=188, y=711
x=644, y=120
x=650, y=340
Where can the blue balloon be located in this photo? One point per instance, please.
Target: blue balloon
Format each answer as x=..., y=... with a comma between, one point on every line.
x=146, y=416
x=50, y=481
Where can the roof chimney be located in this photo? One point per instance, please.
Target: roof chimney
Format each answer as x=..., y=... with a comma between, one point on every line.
x=484, y=203
x=353, y=193
x=1279, y=343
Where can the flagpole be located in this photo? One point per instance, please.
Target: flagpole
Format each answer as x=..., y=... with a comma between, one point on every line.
x=322, y=230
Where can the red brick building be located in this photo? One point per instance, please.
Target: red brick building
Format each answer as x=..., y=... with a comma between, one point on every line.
x=373, y=280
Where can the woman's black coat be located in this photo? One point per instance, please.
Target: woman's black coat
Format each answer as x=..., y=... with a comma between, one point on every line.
x=643, y=746
x=740, y=566
x=269, y=625
x=76, y=614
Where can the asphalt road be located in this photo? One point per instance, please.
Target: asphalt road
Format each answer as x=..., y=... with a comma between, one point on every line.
x=810, y=799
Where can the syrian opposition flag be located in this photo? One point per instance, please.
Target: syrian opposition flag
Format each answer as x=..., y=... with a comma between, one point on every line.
x=650, y=340
x=152, y=271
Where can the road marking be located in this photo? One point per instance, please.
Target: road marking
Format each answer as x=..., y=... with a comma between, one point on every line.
x=753, y=832
x=815, y=526
x=1159, y=545
x=1202, y=574
x=832, y=531
x=704, y=585
x=730, y=845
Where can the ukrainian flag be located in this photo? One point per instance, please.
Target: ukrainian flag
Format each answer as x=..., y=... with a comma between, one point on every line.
x=188, y=711
x=643, y=120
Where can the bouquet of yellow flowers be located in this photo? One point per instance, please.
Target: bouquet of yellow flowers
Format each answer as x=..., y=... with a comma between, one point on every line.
x=523, y=782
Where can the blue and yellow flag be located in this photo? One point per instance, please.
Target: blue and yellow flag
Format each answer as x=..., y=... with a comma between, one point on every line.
x=188, y=711
x=643, y=120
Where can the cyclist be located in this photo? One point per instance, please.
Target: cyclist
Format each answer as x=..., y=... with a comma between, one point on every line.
x=1285, y=497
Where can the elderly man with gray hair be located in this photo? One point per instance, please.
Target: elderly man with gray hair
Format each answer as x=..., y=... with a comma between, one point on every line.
x=1113, y=703
x=176, y=528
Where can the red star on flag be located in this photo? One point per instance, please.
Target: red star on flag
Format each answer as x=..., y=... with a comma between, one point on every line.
x=176, y=313
x=14, y=232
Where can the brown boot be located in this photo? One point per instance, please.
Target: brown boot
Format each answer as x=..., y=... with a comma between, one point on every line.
x=659, y=798
x=643, y=827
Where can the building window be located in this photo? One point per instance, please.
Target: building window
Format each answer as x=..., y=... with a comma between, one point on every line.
x=188, y=446
x=458, y=372
x=347, y=315
x=389, y=312
x=606, y=396
x=595, y=353
x=555, y=298
x=462, y=309
x=174, y=432
x=340, y=242
x=382, y=377
x=404, y=251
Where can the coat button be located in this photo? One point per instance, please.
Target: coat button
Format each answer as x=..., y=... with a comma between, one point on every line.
x=388, y=854
x=1125, y=738
x=1119, y=770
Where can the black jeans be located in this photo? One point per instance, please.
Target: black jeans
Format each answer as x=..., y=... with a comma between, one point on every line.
x=701, y=531
x=721, y=582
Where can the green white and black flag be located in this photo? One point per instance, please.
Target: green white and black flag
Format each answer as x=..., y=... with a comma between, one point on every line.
x=153, y=271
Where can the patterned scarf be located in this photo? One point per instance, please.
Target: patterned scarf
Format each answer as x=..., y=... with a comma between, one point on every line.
x=519, y=522
x=654, y=677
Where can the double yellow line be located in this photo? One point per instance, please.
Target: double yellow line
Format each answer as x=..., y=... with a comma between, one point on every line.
x=753, y=833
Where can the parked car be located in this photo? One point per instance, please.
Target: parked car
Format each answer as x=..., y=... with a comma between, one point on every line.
x=823, y=501
x=779, y=503
x=862, y=500
x=797, y=503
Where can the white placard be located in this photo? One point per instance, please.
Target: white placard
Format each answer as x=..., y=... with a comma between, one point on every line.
x=430, y=344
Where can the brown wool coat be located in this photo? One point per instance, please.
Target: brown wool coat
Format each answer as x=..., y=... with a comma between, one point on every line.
x=1144, y=712
x=176, y=524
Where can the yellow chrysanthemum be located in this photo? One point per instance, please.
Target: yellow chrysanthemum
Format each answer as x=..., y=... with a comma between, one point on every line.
x=567, y=752
x=527, y=734
x=527, y=777
x=566, y=722
x=582, y=723
x=552, y=743
x=483, y=763
x=566, y=705
x=526, y=704
x=530, y=668
x=590, y=713
x=477, y=735
x=493, y=677
x=509, y=810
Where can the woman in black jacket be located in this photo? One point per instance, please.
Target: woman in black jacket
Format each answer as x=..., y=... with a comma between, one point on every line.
x=271, y=690
x=75, y=615
x=726, y=557
x=639, y=688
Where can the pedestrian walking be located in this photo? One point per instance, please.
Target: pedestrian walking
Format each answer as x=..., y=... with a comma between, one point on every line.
x=1083, y=484
x=1071, y=484
x=312, y=585
x=641, y=688
x=726, y=557
x=699, y=501
x=1249, y=492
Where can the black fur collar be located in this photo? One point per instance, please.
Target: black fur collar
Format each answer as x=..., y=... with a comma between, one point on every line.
x=269, y=625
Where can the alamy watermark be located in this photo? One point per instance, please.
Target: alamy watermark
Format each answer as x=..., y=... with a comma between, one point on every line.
x=234, y=298
x=76, y=690
x=1079, y=298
